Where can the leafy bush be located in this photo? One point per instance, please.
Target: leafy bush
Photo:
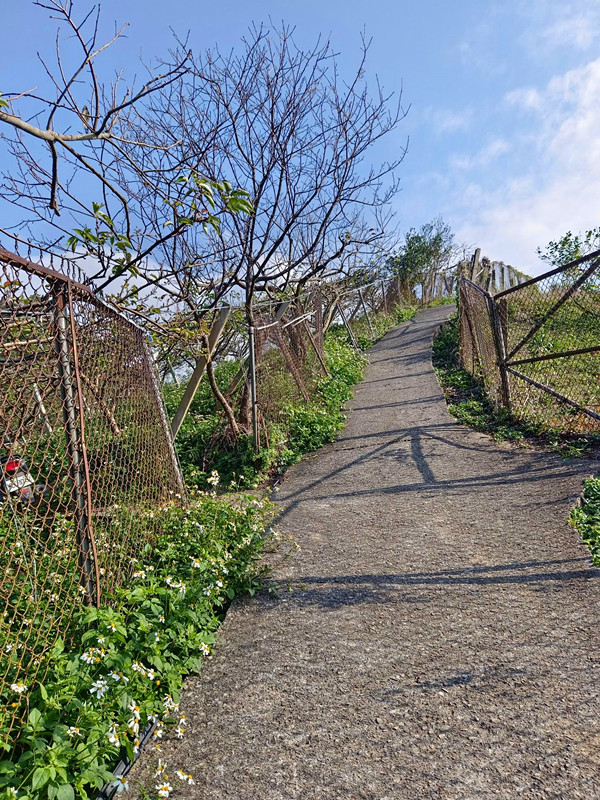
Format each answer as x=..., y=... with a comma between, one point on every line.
x=128, y=671
x=586, y=517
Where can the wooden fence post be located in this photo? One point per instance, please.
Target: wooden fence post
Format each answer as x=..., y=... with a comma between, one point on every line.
x=500, y=346
x=194, y=382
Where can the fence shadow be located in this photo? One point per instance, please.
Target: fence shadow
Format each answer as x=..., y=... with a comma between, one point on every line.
x=412, y=588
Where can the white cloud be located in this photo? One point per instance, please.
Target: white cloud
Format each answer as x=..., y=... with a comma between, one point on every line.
x=483, y=158
x=446, y=121
x=549, y=25
x=527, y=99
x=558, y=184
x=575, y=26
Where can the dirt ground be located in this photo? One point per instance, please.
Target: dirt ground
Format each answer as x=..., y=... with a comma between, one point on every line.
x=437, y=635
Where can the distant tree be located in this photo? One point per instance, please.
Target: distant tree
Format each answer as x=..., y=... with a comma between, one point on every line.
x=570, y=247
x=426, y=253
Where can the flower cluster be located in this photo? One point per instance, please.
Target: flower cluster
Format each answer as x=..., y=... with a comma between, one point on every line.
x=94, y=655
x=213, y=479
x=136, y=652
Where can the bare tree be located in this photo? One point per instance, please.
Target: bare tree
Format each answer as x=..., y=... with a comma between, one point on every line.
x=164, y=227
x=281, y=122
x=79, y=169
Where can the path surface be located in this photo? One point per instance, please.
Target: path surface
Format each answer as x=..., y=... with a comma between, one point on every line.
x=439, y=636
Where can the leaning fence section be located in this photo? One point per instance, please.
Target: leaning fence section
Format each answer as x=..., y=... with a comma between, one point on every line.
x=536, y=345
x=288, y=340
x=86, y=462
x=275, y=365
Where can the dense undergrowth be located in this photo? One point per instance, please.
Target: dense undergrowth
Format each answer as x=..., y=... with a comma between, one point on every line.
x=126, y=673
x=468, y=402
x=585, y=517
x=202, y=444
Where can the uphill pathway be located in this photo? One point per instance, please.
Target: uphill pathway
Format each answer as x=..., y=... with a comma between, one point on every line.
x=438, y=634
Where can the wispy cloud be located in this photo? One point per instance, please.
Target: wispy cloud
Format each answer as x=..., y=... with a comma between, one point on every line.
x=483, y=158
x=576, y=24
x=448, y=121
x=527, y=98
x=558, y=188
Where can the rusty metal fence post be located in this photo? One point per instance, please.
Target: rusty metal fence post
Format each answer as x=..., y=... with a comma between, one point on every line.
x=500, y=344
x=63, y=325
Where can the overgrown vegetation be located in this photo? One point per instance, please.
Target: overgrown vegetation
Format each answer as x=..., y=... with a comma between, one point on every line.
x=127, y=673
x=570, y=247
x=202, y=442
x=585, y=517
x=469, y=403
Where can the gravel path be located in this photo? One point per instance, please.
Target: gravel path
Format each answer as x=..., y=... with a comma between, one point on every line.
x=438, y=634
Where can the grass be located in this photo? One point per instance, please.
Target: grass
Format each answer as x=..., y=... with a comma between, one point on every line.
x=468, y=402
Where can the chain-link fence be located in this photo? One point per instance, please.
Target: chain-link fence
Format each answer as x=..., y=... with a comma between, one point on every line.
x=86, y=459
x=537, y=345
x=289, y=358
x=275, y=365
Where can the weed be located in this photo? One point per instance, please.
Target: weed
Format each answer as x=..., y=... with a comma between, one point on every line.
x=128, y=670
x=468, y=402
x=585, y=517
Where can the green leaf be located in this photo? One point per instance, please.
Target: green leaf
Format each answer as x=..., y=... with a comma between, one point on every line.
x=129, y=750
x=65, y=792
x=40, y=778
x=36, y=719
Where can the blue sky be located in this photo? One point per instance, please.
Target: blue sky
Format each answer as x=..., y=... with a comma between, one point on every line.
x=504, y=117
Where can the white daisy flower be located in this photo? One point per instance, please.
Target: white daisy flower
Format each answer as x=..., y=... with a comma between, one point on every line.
x=99, y=688
x=121, y=784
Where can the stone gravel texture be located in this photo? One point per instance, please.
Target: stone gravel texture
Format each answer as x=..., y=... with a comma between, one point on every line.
x=438, y=634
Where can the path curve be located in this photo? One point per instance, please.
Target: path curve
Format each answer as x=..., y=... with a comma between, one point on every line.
x=438, y=634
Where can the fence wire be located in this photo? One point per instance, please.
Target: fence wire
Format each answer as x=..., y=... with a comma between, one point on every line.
x=286, y=340
x=537, y=346
x=86, y=460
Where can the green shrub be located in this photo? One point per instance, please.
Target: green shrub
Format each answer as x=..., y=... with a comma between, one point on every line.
x=586, y=517
x=128, y=671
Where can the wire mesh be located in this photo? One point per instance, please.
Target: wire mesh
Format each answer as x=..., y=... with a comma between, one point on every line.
x=548, y=322
x=86, y=460
x=548, y=344
x=478, y=349
x=288, y=360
